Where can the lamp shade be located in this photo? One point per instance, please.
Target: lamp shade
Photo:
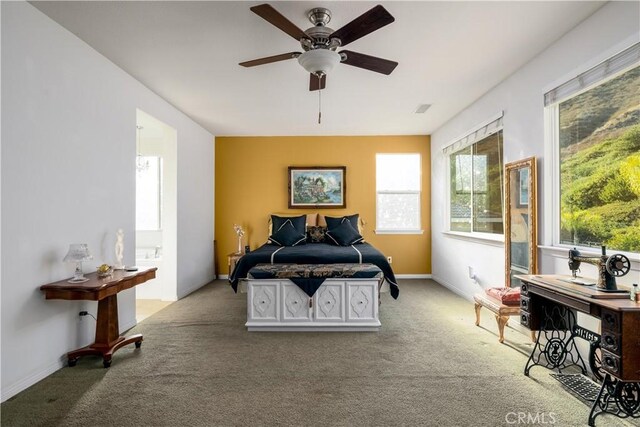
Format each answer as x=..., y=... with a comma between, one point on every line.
x=319, y=60
x=78, y=252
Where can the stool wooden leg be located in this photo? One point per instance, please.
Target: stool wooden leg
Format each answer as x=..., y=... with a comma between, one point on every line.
x=502, y=321
x=478, y=307
x=533, y=336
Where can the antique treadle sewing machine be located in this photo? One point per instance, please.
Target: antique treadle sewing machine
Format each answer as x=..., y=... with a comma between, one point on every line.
x=549, y=304
x=609, y=267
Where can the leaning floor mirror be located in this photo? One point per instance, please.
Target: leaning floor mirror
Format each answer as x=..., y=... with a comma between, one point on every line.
x=521, y=225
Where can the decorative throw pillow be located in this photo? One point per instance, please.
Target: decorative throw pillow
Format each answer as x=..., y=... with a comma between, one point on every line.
x=287, y=235
x=333, y=222
x=316, y=234
x=298, y=222
x=344, y=234
x=507, y=296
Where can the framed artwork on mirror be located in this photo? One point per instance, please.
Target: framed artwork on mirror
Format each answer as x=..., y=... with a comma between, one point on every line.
x=523, y=188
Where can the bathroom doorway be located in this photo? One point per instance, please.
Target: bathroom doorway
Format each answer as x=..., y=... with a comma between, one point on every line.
x=156, y=212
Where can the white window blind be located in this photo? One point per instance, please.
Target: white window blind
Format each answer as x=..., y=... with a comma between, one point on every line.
x=612, y=66
x=478, y=133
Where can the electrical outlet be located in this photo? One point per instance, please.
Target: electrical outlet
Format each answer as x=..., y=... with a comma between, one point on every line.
x=390, y=260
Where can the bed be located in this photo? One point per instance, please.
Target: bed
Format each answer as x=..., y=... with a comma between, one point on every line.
x=315, y=253
x=310, y=278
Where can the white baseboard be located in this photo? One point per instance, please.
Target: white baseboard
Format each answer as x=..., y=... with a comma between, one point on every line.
x=413, y=276
x=30, y=380
x=223, y=277
x=452, y=288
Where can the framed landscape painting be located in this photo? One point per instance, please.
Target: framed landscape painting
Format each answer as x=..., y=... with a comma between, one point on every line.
x=317, y=187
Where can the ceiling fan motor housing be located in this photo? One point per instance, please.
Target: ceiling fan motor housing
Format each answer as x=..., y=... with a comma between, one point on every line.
x=320, y=39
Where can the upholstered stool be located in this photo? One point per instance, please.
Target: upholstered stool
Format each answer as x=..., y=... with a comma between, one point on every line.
x=501, y=311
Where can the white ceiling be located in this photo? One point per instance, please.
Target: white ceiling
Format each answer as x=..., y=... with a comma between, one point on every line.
x=449, y=54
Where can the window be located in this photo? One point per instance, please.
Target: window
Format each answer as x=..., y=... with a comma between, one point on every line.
x=398, y=187
x=476, y=189
x=597, y=142
x=149, y=195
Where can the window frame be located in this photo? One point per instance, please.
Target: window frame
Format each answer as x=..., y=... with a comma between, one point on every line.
x=160, y=216
x=418, y=193
x=552, y=186
x=482, y=237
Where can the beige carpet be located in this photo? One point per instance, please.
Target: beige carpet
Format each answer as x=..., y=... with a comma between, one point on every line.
x=429, y=366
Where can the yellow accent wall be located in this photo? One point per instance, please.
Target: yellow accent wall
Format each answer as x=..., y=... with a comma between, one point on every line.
x=251, y=183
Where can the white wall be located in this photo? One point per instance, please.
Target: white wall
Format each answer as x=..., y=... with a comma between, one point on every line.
x=68, y=154
x=612, y=28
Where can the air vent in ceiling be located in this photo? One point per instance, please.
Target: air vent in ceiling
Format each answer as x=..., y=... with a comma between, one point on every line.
x=422, y=108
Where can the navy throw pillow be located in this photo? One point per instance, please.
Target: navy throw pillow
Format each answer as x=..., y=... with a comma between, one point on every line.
x=333, y=222
x=298, y=222
x=344, y=235
x=287, y=235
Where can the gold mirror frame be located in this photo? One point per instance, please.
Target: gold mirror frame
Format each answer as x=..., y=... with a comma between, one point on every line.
x=520, y=219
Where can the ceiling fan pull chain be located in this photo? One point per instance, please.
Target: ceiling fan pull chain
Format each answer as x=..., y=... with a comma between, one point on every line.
x=319, y=104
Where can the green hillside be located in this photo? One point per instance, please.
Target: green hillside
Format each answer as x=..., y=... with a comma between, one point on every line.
x=600, y=165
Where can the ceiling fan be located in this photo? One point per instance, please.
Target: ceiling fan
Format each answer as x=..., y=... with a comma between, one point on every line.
x=320, y=42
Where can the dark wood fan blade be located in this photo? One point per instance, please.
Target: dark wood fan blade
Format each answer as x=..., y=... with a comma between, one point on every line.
x=269, y=59
x=315, y=83
x=366, y=23
x=373, y=63
x=268, y=13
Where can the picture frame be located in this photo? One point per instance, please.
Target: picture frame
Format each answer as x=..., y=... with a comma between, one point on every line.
x=317, y=187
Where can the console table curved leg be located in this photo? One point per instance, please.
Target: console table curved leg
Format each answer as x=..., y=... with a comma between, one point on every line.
x=108, y=339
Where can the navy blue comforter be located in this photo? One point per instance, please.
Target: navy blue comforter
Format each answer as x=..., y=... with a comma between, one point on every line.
x=314, y=253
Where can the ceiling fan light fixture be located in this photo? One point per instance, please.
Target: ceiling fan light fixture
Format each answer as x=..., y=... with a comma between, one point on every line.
x=319, y=61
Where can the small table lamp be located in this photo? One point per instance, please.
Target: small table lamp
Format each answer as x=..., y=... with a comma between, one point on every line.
x=78, y=252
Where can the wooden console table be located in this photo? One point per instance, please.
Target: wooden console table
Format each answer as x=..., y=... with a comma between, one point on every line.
x=104, y=290
x=548, y=304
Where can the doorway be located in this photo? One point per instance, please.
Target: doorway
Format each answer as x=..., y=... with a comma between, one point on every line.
x=156, y=212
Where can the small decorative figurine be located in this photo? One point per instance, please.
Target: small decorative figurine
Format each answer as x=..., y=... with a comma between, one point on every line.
x=119, y=250
x=240, y=232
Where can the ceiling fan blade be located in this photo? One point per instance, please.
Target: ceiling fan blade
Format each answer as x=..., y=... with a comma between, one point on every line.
x=366, y=23
x=269, y=59
x=268, y=13
x=373, y=63
x=315, y=83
